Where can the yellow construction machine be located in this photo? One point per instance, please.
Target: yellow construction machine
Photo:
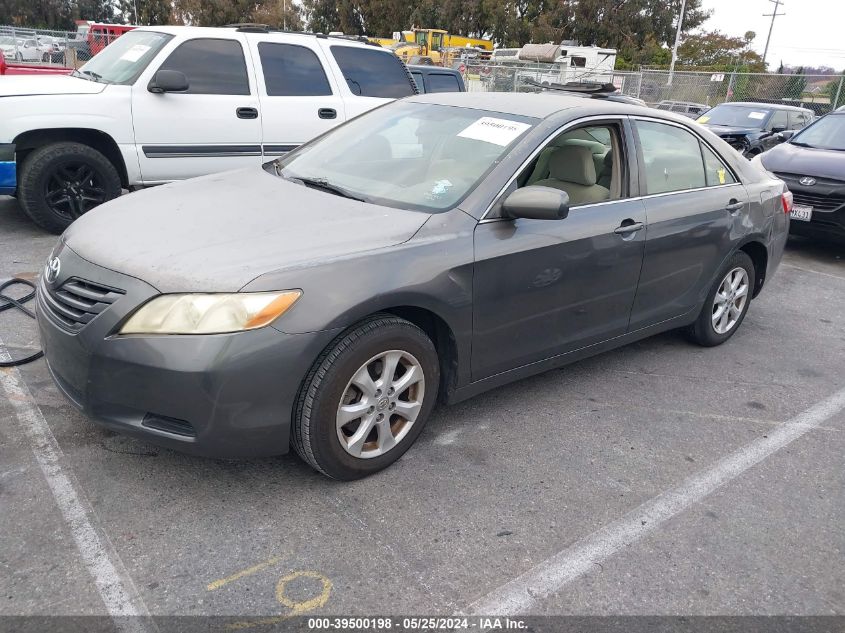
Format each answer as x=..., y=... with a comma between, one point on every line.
x=436, y=44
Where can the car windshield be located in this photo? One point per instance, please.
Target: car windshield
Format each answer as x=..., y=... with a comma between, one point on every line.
x=736, y=116
x=826, y=133
x=124, y=59
x=6, y=41
x=407, y=155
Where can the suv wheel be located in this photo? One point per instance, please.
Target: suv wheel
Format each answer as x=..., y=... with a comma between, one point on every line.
x=60, y=182
x=367, y=398
x=727, y=304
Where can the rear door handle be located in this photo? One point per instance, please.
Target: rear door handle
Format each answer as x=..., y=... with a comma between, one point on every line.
x=327, y=113
x=247, y=113
x=633, y=227
x=734, y=205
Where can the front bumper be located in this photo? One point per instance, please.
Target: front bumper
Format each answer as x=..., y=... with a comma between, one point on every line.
x=8, y=169
x=227, y=395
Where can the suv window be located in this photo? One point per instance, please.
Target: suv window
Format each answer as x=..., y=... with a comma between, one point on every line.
x=292, y=71
x=672, y=158
x=442, y=82
x=226, y=75
x=373, y=73
x=779, y=120
x=797, y=120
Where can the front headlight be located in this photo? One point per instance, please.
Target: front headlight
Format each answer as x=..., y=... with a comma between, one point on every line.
x=209, y=313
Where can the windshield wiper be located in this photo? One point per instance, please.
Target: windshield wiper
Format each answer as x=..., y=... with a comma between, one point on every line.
x=800, y=144
x=325, y=185
x=84, y=74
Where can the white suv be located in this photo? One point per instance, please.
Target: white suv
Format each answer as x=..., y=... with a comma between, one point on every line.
x=167, y=103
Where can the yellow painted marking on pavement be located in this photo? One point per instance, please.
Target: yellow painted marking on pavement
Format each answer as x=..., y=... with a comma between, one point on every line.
x=243, y=573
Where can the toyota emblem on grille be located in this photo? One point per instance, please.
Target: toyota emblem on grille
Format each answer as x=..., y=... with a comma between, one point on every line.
x=807, y=181
x=51, y=273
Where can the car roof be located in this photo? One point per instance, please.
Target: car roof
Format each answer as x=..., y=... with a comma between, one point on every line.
x=214, y=31
x=539, y=106
x=775, y=106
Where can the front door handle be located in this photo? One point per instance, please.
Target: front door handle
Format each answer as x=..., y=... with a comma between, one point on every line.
x=327, y=113
x=631, y=227
x=734, y=205
x=247, y=113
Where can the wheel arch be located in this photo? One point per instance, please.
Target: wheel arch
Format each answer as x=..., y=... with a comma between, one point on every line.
x=27, y=142
x=759, y=254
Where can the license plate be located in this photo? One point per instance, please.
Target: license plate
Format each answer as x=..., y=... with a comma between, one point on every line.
x=801, y=212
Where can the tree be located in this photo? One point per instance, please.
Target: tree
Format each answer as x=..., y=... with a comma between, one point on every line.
x=836, y=88
x=717, y=51
x=149, y=11
x=795, y=85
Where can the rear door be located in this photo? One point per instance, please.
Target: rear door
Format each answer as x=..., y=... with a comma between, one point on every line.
x=211, y=127
x=693, y=202
x=368, y=76
x=298, y=101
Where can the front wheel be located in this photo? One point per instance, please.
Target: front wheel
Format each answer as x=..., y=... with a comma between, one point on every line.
x=727, y=304
x=367, y=398
x=60, y=182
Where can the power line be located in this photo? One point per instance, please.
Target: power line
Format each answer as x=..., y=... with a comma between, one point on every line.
x=773, y=14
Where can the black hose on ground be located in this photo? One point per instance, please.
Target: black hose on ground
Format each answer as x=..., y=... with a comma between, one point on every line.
x=7, y=303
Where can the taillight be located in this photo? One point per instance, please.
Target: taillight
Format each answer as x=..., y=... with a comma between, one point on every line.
x=786, y=199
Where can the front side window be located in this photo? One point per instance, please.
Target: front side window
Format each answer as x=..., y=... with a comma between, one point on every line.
x=292, y=71
x=372, y=73
x=126, y=59
x=408, y=155
x=212, y=66
x=672, y=158
x=779, y=121
x=585, y=162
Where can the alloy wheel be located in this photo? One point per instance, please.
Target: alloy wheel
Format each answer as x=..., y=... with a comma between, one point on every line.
x=380, y=404
x=730, y=300
x=74, y=188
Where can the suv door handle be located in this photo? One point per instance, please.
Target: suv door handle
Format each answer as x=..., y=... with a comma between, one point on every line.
x=631, y=227
x=327, y=113
x=247, y=113
x=734, y=205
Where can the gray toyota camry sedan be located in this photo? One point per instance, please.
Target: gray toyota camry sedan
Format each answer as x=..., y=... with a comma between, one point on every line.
x=427, y=251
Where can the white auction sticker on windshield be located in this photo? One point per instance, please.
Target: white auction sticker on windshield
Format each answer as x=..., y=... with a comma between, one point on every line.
x=135, y=53
x=492, y=130
x=757, y=115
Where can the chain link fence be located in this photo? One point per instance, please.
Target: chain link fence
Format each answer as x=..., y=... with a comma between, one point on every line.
x=63, y=49
x=819, y=93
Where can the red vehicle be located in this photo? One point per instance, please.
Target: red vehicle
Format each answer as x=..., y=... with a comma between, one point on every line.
x=31, y=69
x=100, y=35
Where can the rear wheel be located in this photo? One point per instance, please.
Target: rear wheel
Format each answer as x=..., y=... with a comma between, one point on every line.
x=727, y=304
x=62, y=181
x=367, y=398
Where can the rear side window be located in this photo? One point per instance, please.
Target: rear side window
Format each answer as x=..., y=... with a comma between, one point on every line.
x=372, y=73
x=672, y=158
x=418, y=79
x=292, y=71
x=797, y=120
x=443, y=82
x=715, y=170
x=212, y=66
x=779, y=120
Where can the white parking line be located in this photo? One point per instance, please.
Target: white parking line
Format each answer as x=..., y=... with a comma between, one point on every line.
x=520, y=594
x=119, y=594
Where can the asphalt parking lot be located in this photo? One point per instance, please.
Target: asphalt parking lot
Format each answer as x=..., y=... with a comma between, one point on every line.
x=657, y=479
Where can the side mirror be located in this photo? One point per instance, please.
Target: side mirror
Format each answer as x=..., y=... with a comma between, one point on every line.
x=537, y=203
x=778, y=129
x=785, y=135
x=168, y=81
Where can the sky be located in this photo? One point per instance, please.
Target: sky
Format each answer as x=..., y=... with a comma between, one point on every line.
x=811, y=33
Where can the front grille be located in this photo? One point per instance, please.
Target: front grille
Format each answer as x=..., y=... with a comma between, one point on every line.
x=818, y=201
x=76, y=302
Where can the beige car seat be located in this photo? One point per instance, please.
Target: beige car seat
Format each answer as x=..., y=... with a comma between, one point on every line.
x=573, y=170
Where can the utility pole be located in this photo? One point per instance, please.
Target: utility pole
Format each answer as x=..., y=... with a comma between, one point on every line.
x=773, y=15
x=677, y=42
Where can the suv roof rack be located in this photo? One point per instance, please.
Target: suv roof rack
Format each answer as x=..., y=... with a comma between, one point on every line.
x=253, y=27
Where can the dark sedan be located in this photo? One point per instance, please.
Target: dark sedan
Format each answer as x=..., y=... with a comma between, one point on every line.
x=429, y=250
x=813, y=166
x=753, y=128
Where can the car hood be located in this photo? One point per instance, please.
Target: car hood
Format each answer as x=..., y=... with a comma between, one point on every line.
x=219, y=232
x=805, y=161
x=725, y=130
x=31, y=85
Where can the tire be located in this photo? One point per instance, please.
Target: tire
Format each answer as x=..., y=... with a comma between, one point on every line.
x=315, y=434
x=708, y=332
x=89, y=180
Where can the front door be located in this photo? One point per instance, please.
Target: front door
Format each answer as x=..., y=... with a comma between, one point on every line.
x=547, y=287
x=213, y=126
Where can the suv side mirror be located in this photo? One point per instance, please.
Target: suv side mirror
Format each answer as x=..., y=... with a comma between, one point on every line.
x=168, y=81
x=537, y=203
x=778, y=129
x=785, y=135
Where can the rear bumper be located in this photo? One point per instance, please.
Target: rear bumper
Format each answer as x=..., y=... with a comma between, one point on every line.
x=228, y=395
x=8, y=169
